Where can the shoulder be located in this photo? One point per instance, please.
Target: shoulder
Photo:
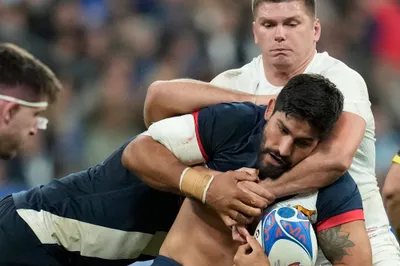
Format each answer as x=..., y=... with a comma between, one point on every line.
x=240, y=79
x=224, y=125
x=234, y=113
x=348, y=81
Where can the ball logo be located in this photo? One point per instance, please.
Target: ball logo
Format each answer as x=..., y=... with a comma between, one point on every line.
x=257, y=233
x=287, y=223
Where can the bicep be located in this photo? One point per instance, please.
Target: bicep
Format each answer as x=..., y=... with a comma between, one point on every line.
x=346, y=244
x=350, y=128
x=345, y=137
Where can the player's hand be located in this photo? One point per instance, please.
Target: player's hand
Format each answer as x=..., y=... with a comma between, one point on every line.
x=250, y=254
x=257, y=191
x=240, y=233
x=231, y=201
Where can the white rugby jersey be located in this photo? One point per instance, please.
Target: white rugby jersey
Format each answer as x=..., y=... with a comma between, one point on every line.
x=251, y=79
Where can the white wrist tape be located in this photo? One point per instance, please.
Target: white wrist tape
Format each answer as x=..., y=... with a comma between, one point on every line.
x=181, y=178
x=203, y=199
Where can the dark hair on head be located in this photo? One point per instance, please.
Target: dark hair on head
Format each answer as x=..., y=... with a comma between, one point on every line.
x=312, y=98
x=309, y=4
x=18, y=68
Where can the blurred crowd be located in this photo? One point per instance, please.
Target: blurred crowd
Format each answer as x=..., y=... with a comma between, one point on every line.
x=107, y=52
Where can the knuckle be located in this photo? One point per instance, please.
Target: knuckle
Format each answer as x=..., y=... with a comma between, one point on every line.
x=247, y=184
x=241, y=184
x=262, y=203
x=257, y=202
x=237, y=193
x=240, y=217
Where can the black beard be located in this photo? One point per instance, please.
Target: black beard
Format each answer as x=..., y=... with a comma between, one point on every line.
x=271, y=171
x=267, y=170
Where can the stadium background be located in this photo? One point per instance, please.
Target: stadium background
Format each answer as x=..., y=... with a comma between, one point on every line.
x=107, y=52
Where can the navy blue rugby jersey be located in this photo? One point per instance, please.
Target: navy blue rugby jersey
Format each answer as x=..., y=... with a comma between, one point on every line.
x=104, y=215
x=227, y=137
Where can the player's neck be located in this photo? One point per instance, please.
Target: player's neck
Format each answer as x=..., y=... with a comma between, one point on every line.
x=280, y=76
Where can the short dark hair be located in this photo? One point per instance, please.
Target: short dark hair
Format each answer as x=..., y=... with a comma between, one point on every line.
x=20, y=68
x=309, y=4
x=312, y=98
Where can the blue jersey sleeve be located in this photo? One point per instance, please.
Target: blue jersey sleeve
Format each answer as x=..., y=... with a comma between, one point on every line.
x=220, y=126
x=339, y=203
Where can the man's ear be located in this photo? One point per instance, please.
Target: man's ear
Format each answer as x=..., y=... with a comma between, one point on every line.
x=270, y=109
x=8, y=111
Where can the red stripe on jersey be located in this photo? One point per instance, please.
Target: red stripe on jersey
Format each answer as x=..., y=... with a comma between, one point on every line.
x=343, y=218
x=196, y=124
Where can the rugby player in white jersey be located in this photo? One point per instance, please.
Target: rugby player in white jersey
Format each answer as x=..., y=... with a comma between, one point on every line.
x=391, y=193
x=287, y=32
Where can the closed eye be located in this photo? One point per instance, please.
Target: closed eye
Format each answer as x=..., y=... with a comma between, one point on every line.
x=267, y=25
x=283, y=130
x=303, y=143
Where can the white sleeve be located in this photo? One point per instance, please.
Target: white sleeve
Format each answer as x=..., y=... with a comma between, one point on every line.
x=236, y=79
x=178, y=134
x=354, y=89
x=145, y=133
x=227, y=79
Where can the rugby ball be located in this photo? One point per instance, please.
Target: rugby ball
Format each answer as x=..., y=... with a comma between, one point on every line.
x=287, y=237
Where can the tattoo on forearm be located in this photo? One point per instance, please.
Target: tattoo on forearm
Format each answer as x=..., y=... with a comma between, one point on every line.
x=335, y=244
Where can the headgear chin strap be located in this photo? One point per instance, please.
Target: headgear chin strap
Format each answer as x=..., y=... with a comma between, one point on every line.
x=41, y=121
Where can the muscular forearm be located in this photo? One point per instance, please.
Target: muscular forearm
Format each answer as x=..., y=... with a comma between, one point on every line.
x=169, y=98
x=311, y=174
x=154, y=164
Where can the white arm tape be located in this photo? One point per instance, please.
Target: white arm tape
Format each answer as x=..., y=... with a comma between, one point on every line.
x=181, y=178
x=203, y=199
x=178, y=134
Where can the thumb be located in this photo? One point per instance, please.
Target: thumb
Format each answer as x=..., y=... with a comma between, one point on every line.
x=251, y=171
x=254, y=243
x=228, y=221
x=244, y=176
x=242, y=231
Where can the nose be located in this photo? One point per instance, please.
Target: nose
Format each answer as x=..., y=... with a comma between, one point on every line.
x=285, y=147
x=34, y=129
x=280, y=33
